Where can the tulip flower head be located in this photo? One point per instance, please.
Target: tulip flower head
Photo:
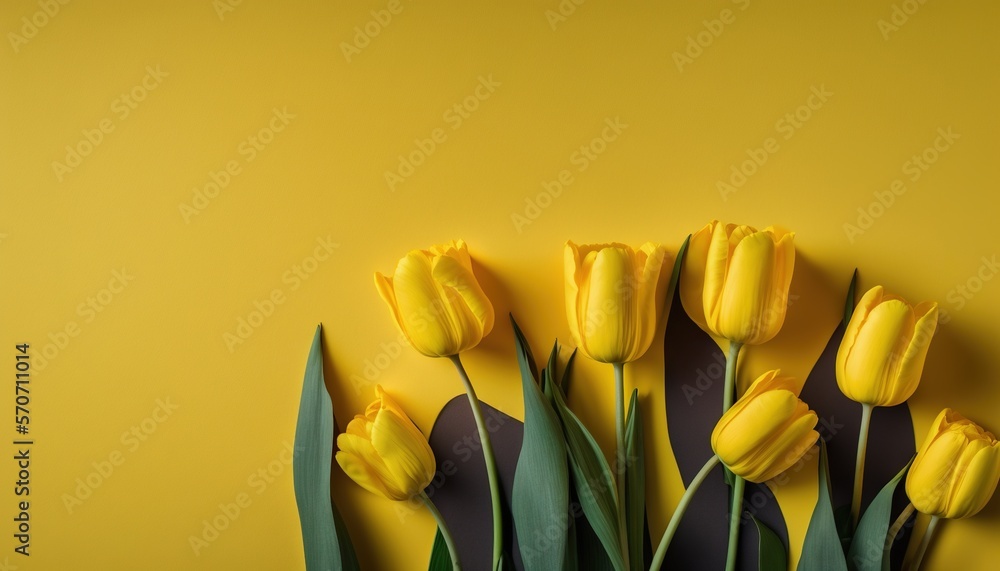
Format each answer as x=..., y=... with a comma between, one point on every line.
x=436, y=301
x=615, y=296
x=956, y=470
x=735, y=281
x=384, y=452
x=767, y=431
x=882, y=354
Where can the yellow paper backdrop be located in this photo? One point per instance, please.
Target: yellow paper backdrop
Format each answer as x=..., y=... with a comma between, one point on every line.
x=169, y=168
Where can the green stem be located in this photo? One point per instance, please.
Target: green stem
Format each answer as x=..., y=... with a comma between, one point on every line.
x=924, y=542
x=729, y=397
x=444, y=531
x=897, y=526
x=620, y=455
x=491, y=464
x=859, y=465
x=735, y=517
x=675, y=520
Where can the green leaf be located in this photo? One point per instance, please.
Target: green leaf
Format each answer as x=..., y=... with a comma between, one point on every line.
x=851, y=294
x=772, y=554
x=540, y=493
x=868, y=548
x=440, y=557
x=564, y=382
x=821, y=550
x=592, y=480
x=675, y=275
x=325, y=539
x=635, y=483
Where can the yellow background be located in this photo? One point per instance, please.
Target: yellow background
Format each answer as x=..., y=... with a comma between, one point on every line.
x=323, y=177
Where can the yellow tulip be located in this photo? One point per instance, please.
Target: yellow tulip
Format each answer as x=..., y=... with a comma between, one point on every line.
x=735, y=281
x=614, y=298
x=882, y=354
x=767, y=431
x=957, y=469
x=436, y=301
x=384, y=452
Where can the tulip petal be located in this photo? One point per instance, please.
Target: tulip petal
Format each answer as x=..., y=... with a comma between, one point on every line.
x=359, y=471
x=692, y=280
x=912, y=365
x=571, y=269
x=786, y=448
x=929, y=480
x=388, y=294
x=422, y=306
x=750, y=427
x=652, y=261
x=611, y=306
x=716, y=273
x=974, y=489
x=470, y=309
x=874, y=362
x=363, y=450
x=744, y=313
x=404, y=450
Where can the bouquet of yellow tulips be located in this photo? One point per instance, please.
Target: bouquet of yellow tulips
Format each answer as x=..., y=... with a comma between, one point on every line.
x=569, y=505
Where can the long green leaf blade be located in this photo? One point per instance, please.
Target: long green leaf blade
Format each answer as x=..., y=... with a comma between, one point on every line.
x=635, y=483
x=540, y=493
x=821, y=550
x=440, y=558
x=772, y=555
x=592, y=480
x=311, y=464
x=868, y=546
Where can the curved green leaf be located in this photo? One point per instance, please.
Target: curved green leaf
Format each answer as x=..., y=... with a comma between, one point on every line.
x=591, y=479
x=772, y=553
x=540, y=494
x=635, y=484
x=325, y=539
x=868, y=546
x=851, y=294
x=440, y=557
x=822, y=550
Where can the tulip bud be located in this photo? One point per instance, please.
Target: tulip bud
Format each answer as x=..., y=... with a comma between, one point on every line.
x=736, y=279
x=767, y=431
x=436, y=301
x=384, y=452
x=957, y=469
x=882, y=354
x=614, y=298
